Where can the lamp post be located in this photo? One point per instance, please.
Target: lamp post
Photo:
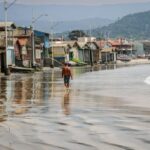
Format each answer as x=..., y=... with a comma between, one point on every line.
x=52, y=38
x=33, y=40
x=6, y=7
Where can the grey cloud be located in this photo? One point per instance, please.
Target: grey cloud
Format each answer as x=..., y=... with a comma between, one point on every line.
x=79, y=2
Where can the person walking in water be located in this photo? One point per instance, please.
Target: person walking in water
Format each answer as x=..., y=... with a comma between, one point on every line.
x=66, y=74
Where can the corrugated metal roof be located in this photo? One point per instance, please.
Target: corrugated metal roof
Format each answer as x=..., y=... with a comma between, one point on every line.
x=71, y=43
x=58, y=44
x=81, y=44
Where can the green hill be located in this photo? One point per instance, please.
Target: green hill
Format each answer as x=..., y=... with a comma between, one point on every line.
x=135, y=26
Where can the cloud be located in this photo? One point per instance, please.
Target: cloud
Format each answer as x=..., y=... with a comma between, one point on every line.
x=80, y=2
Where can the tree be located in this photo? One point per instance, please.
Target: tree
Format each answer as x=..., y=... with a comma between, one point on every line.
x=75, y=34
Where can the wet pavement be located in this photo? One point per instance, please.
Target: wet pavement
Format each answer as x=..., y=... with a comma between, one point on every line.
x=107, y=108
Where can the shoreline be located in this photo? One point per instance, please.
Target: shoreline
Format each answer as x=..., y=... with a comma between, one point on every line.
x=133, y=62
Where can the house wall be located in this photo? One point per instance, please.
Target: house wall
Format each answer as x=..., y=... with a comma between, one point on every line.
x=0, y=62
x=58, y=61
x=23, y=51
x=95, y=56
x=59, y=51
x=59, y=55
x=146, y=48
x=81, y=55
x=86, y=56
x=107, y=57
x=75, y=53
x=10, y=56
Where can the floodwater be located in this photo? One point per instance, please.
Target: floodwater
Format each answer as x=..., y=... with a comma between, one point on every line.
x=107, y=108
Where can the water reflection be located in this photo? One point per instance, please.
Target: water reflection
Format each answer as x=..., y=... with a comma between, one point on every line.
x=3, y=113
x=21, y=92
x=81, y=70
x=65, y=104
x=37, y=102
x=3, y=88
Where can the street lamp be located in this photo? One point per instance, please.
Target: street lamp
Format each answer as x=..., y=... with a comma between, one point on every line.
x=33, y=41
x=52, y=38
x=6, y=7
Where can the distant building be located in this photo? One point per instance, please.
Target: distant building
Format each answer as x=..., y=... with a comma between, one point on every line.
x=58, y=52
x=108, y=54
x=146, y=46
x=139, y=47
x=42, y=46
x=86, y=39
x=123, y=48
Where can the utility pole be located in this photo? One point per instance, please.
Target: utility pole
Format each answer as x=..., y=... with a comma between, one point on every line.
x=52, y=49
x=33, y=38
x=33, y=43
x=7, y=72
x=52, y=40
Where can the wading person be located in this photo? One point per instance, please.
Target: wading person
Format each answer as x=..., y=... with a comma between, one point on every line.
x=66, y=74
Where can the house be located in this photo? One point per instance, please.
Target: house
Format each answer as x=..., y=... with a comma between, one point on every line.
x=108, y=54
x=138, y=46
x=41, y=47
x=7, y=57
x=58, y=50
x=69, y=50
x=76, y=52
x=89, y=50
x=83, y=50
x=86, y=39
x=146, y=46
x=80, y=53
x=123, y=48
x=94, y=52
x=23, y=46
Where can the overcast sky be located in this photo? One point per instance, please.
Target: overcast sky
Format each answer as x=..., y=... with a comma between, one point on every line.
x=79, y=2
x=58, y=10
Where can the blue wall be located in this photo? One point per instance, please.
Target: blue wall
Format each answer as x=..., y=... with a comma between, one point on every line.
x=43, y=35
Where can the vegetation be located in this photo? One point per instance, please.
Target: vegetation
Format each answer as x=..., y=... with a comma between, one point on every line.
x=75, y=34
x=79, y=62
x=135, y=26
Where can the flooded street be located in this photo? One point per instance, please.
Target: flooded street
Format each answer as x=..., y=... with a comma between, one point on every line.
x=106, y=109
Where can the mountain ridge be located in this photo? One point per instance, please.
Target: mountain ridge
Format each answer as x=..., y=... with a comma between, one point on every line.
x=135, y=26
